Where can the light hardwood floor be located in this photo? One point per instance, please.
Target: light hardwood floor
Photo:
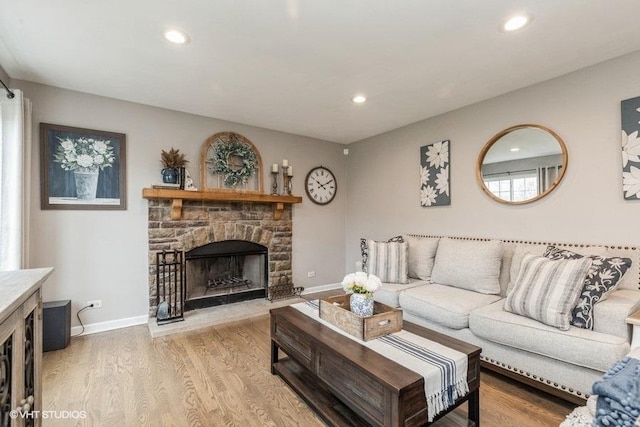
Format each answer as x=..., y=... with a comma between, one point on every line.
x=219, y=376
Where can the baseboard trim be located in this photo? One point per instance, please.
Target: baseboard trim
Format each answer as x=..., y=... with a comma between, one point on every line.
x=323, y=288
x=94, y=328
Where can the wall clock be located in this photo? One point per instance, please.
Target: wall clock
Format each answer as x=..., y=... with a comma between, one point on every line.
x=320, y=185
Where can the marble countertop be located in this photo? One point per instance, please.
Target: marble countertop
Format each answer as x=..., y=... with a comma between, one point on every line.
x=17, y=286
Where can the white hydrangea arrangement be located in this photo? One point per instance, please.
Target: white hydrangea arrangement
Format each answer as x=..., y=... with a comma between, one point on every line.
x=361, y=283
x=84, y=154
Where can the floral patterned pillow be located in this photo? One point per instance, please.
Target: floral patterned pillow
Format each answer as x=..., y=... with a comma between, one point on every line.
x=364, y=249
x=603, y=276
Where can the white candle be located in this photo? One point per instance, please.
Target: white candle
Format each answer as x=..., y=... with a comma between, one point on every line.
x=285, y=163
x=274, y=168
x=290, y=171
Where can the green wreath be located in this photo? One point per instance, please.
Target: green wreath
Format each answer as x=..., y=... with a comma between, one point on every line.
x=233, y=175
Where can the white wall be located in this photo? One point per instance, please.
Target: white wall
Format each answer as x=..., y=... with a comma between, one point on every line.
x=582, y=107
x=103, y=254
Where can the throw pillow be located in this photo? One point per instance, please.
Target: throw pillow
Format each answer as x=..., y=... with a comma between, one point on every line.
x=468, y=264
x=520, y=250
x=547, y=290
x=388, y=261
x=364, y=251
x=422, y=254
x=602, y=278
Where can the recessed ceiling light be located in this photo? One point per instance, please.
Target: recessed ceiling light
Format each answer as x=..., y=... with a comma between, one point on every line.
x=176, y=36
x=359, y=99
x=516, y=23
x=514, y=149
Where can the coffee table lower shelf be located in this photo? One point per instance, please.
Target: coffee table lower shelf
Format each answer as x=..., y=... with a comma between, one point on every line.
x=316, y=395
x=324, y=403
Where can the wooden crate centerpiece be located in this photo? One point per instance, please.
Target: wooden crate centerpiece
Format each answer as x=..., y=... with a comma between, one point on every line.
x=385, y=319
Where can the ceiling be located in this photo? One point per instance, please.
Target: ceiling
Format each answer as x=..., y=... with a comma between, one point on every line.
x=523, y=143
x=293, y=65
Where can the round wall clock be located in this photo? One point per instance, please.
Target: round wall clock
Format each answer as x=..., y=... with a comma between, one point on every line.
x=320, y=185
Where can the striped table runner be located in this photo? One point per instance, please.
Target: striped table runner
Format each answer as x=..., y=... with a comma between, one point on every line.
x=444, y=370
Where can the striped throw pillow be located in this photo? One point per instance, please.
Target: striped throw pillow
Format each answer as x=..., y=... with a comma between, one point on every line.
x=547, y=290
x=388, y=261
x=364, y=249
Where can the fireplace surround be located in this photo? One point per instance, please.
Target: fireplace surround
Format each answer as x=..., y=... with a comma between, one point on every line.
x=205, y=221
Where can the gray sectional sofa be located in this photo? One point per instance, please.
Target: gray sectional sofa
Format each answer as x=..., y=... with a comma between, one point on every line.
x=459, y=287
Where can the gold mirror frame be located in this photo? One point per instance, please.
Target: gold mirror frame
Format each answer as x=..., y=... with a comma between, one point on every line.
x=495, y=139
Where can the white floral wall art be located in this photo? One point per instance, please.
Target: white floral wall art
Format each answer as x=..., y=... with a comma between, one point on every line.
x=631, y=148
x=434, y=174
x=82, y=169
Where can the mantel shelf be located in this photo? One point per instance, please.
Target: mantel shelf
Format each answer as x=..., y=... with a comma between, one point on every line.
x=177, y=196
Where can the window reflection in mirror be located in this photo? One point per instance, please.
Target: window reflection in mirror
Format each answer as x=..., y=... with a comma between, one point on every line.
x=521, y=164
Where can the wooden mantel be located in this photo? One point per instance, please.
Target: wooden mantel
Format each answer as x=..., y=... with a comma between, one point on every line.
x=177, y=196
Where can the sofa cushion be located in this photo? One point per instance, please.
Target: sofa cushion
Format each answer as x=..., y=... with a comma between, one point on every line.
x=445, y=305
x=521, y=249
x=468, y=264
x=603, y=277
x=422, y=254
x=364, y=250
x=609, y=316
x=547, y=290
x=388, y=261
x=578, y=346
x=630, y=279
x=389, y=293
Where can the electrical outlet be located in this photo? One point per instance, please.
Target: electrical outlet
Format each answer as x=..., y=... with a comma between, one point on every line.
x=311, y=274
x=95, y=304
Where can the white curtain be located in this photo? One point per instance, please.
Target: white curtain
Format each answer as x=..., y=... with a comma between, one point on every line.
x=547, y=176
x=15, y=182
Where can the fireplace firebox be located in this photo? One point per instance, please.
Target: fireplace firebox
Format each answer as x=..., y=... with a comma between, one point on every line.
x=225, y=272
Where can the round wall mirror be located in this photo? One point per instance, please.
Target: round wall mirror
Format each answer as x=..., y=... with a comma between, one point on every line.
x=521, y=164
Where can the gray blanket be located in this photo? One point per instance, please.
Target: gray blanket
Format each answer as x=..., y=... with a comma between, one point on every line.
x=619, y=395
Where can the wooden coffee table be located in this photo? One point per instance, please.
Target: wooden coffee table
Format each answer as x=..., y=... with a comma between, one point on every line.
x=347, y=384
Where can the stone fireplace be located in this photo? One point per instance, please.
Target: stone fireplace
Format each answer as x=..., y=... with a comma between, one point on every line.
x=205, y=222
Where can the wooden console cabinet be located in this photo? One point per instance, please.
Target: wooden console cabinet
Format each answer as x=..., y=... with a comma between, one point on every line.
x=21, y=347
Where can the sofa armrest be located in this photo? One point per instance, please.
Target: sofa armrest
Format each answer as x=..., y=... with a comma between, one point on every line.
x=610, y=315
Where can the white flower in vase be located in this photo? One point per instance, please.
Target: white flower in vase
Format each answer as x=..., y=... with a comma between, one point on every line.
x=361, y=283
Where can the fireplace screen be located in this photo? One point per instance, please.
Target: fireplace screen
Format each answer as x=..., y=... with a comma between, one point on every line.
x=225, y=272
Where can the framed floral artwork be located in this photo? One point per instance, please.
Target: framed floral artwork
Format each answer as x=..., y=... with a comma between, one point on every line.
x=434, y=174
x=631, y=148
x=82, y=168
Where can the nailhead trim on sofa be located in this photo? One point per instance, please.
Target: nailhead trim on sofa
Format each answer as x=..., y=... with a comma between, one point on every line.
x=535, y=377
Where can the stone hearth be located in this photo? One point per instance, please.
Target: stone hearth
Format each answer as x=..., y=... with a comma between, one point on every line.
x=204, y=222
